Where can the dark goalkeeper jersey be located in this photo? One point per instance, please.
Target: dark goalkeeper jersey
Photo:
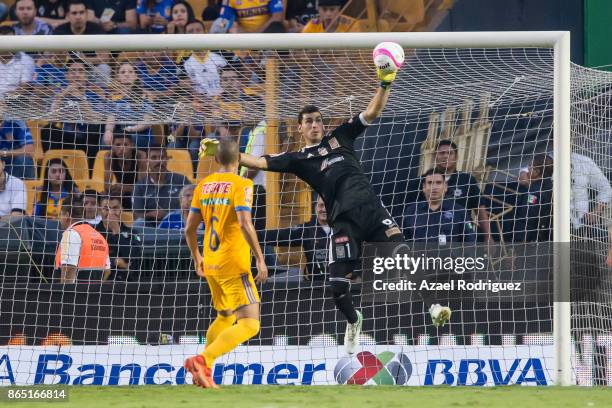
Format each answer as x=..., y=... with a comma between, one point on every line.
x=331, y=168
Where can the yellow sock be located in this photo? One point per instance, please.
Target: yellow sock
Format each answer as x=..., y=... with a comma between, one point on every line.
x=217, y=326
x=230, y=338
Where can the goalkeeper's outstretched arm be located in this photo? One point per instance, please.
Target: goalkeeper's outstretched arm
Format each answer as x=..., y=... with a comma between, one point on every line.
x=253, y=162
x=379, y=101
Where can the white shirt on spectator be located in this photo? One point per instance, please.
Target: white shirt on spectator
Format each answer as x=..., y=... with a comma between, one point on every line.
x=204, y=74
x=19, y=70
x=13, y=197
x=586, y=175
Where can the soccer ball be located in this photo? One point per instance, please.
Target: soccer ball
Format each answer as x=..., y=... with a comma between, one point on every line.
x=388, y=56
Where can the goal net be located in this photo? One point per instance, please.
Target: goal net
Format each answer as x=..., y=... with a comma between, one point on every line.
x=96, y=120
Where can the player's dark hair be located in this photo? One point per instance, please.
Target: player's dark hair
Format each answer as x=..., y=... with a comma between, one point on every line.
x=73, y=207
x=90, y=192
x=227, y=152
x=544, y=164
x=75, y=3
x=431, y=172
x=447, y=142
x=306, y=110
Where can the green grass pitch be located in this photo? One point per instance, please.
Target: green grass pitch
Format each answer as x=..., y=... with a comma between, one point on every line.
x=329, y=396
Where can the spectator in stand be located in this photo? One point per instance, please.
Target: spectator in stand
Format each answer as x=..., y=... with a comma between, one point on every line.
x=176, y=219
x=82, y=248
x=28, y=24
x=79, y=100
x=90, y=207
x=312, y=236
x=182, y=14
x=57, y=185
x=16, y=69
x=78, y=25
x=202, y=68
x=115, y=16
x=588, y=180
x=157, y=194
x=436, y=219
x=52, y=12
x=299, y=13
x=195, y=27
x=154, y=15
x=533, y=222
x=50, y=73
x=256, y=147
x=330, y=20
x=16, y=148
x=125, y=247
x=125, y=165
x=462, y=188
x=13, y=196
x=130, y=102
x=253, y=16
x=158, y=73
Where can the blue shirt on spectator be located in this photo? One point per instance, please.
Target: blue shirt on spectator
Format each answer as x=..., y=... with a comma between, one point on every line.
x=450, y=223
x=161, y=7
x=163, y=80
x=50, y=75
x=174, y=220
x=14, y=134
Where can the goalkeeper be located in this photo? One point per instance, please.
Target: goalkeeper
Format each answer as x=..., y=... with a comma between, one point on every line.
x=330, y=166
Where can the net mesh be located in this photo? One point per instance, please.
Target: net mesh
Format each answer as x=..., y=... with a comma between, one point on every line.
x=75, y=108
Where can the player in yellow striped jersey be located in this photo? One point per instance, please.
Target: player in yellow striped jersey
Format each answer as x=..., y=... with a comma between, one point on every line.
x=223, y=201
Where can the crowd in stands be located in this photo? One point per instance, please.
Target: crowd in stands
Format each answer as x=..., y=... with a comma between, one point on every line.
x=444, y=205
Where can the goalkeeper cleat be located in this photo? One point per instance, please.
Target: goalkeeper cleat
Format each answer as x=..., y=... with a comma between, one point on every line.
x=351, y=337
x=208, y=147
x=202, y=374
x=386, y=76
x=440, y=315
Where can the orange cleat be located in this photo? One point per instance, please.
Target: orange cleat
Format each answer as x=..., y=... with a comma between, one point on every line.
x=202, y=374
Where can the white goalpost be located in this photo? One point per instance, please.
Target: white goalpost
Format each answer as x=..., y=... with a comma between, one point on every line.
x=496, y=94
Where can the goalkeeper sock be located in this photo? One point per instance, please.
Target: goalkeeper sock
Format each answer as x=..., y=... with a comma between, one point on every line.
x=344, y=303
x=216, y=327
x=230, y=338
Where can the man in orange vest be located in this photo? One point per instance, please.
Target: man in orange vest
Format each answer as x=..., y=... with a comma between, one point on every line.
x=81, y=247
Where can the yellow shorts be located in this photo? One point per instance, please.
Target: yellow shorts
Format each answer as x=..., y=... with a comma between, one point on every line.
x=232, y=292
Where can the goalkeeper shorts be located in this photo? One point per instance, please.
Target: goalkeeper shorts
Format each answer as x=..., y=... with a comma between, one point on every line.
x=232, y=292
x=369, y=222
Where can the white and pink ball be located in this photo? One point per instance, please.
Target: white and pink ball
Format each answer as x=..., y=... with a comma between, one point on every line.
x=388, y=56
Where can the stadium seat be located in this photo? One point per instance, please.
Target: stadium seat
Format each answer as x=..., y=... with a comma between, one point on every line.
x=76, y=162
x=98, y=168
x=179, y=161
x=35, y=126
x=127, y=217
x=206, y=166
x=31, y=186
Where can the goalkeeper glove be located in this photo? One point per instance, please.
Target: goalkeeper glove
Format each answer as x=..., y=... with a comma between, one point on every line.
x=386, y=77
x=208, y=147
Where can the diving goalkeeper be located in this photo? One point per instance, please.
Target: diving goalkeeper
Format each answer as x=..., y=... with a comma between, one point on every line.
x=330, y=166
